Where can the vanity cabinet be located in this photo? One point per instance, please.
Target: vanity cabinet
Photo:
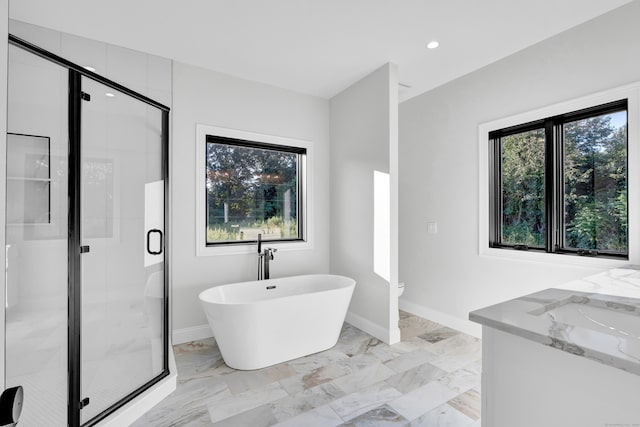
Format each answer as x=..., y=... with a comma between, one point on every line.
x=564, y=357
x=528, y=384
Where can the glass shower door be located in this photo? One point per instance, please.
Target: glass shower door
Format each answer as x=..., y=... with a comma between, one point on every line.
x=122, y=238
x=36, y=237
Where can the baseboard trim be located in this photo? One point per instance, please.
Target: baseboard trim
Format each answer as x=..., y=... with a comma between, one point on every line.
x=192, y=333
x=394, y=336
x=366, y=325
x=453, y=322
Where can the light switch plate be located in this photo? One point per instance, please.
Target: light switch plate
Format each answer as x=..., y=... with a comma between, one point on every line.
x=432, y=227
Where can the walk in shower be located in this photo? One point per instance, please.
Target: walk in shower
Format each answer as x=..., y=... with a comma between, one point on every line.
x=86, y=293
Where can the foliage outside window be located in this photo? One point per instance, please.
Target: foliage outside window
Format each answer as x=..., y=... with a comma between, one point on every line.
x=252, y=188
x=522, y=162
x=559, y=185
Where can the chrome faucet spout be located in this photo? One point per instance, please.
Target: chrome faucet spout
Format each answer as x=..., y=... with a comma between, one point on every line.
x=263, y=259
x=260, y=258
x=266, y=257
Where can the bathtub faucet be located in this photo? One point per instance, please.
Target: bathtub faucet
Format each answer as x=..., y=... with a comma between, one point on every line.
x=267, y=256
x=263, y=259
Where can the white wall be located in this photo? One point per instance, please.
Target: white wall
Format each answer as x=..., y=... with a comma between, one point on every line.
x=363, y=140
x=215, y=99
x=445, y=276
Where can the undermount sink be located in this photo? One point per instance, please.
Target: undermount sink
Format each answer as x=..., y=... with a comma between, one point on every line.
x=601, y=327
x=609, y=318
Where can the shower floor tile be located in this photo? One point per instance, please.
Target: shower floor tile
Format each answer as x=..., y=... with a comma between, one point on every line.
x=430, y=378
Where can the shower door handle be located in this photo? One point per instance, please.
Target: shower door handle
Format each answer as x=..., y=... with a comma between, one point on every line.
x=159, y=251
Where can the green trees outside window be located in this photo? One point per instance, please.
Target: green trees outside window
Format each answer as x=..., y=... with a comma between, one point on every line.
x=252, y=189
x=523, y=188
x=595, y=183
x=560, y=184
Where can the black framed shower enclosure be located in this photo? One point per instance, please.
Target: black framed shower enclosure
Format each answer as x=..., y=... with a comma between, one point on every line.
x=117, y=273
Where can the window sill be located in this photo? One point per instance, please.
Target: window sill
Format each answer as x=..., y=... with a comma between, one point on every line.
x=555, y=259
x=251, y=248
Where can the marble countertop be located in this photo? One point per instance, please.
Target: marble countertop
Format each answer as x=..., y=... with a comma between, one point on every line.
x=597, y=317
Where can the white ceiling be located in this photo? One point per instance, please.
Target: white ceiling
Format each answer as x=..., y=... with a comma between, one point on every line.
x=319, y=47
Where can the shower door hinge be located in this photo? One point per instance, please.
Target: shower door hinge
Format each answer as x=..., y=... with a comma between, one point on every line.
x=84, y=402
x=84, y=249
x=85, y=96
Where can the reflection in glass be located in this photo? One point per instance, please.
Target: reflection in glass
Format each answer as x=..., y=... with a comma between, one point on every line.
x=97, y=175
x=28, y=179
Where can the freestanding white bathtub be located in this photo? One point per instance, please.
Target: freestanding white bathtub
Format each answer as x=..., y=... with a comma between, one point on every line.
x=266, y=322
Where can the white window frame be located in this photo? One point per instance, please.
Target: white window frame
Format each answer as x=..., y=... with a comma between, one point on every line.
x=202, y=249
x=632, y=94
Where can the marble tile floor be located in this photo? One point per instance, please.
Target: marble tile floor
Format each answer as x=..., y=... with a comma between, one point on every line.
x=431, y=378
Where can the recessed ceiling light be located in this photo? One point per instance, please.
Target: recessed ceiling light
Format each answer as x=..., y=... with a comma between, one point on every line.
x=90, y=68
x=109, y=94
x=432, y=45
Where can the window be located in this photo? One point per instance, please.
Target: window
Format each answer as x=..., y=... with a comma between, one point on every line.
x=559, y=185
x=28, y=179
x=252, y=188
